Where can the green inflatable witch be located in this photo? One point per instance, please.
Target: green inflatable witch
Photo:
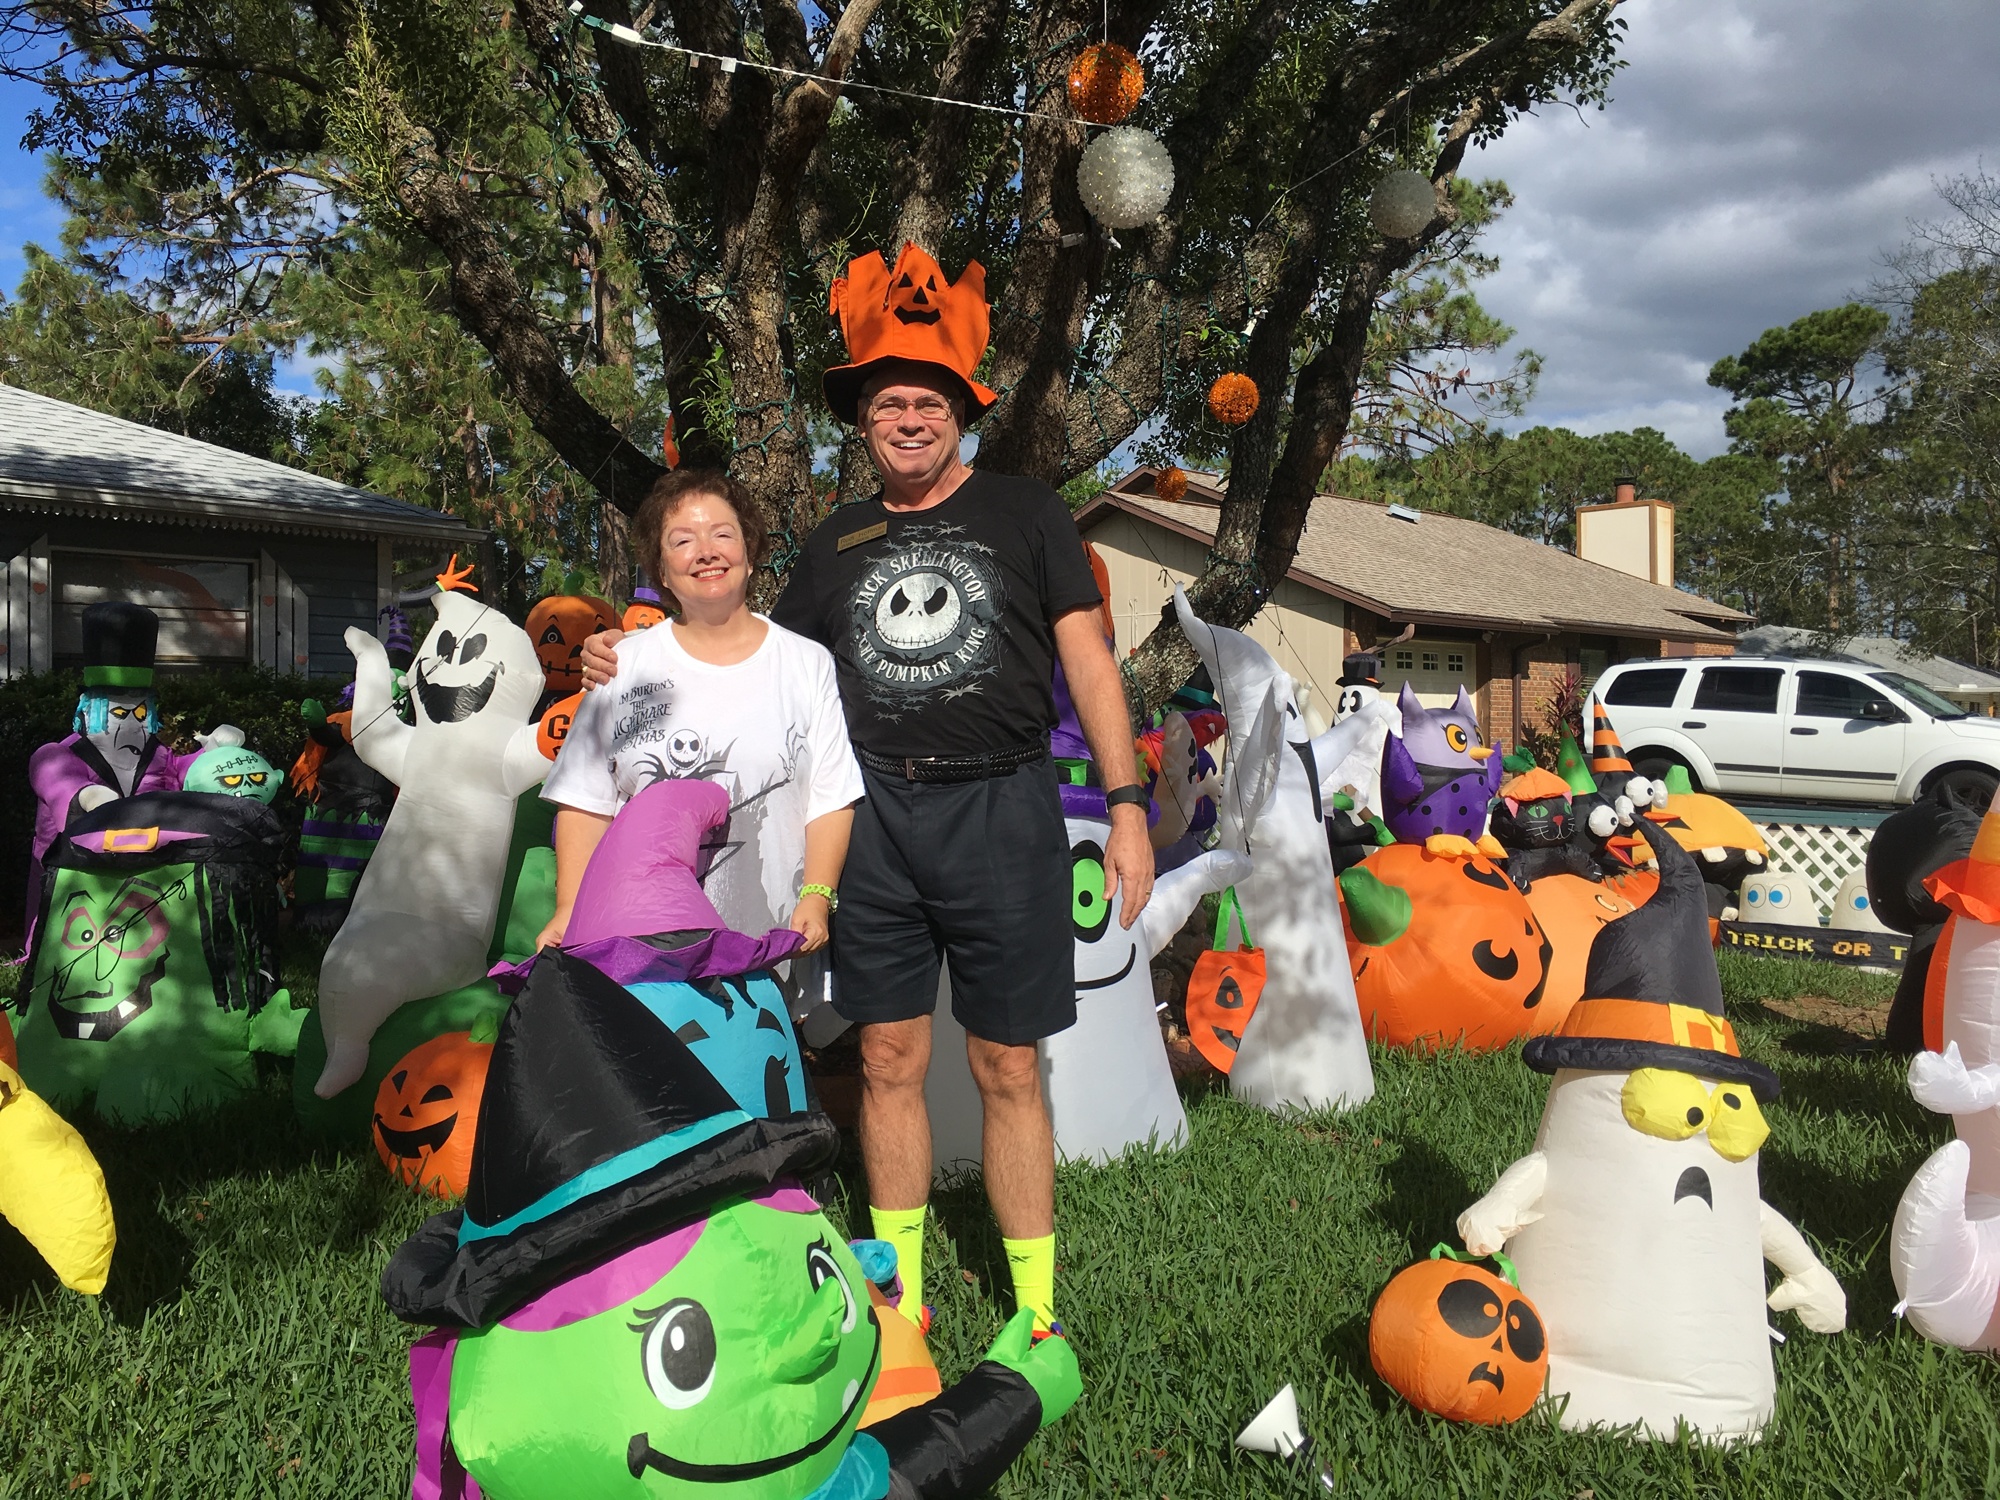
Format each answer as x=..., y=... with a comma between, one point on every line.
x=150, y=982
x=638, y=1299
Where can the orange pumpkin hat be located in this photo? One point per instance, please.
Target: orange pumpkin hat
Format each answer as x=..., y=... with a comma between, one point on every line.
x=1651, y=994
x=1534, y=785
x=1607, y=753
x=908, y=311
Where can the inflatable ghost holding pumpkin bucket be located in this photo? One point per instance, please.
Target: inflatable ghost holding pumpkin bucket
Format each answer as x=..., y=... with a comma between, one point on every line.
x=424, y=911
x=1636, y=1223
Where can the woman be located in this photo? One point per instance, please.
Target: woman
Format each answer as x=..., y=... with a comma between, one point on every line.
x=718, y=693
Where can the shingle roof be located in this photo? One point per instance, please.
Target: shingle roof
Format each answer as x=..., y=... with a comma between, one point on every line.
x=58, y=457
x=1445, y=569
x=1938, y=672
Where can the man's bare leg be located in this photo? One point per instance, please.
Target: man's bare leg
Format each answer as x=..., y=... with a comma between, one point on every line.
x=896, y=1144
x=1019, y=1151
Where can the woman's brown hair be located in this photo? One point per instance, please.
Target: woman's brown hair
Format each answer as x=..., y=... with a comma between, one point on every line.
x=674, y=490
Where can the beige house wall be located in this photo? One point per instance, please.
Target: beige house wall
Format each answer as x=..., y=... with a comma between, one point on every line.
x=1301, y=627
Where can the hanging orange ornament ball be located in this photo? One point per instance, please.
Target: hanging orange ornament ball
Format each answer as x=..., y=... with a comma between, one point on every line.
x=1170, y=484
x=1105, y=83
x=1232, y=400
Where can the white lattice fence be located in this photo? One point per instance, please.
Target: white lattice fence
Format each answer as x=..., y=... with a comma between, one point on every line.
x=1824, y=853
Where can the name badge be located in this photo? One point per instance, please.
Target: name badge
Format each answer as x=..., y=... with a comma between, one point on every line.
x=865, y=534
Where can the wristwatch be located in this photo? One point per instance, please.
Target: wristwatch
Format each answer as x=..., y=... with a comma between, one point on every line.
x=1134, y=795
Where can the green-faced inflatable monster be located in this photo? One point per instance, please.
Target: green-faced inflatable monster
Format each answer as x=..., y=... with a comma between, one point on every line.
x=638, y=1300
x=151, y=978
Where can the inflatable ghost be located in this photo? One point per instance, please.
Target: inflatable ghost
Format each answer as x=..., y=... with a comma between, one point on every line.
x=1106, y=1078
x=423, y=912
x=1438, y=779
x=1779, y=898
x=1944, y=1249
x=1852, y=911
x=1303, y=1047
x=1636, y=1223
x=637, y=1298
x=51, y=1188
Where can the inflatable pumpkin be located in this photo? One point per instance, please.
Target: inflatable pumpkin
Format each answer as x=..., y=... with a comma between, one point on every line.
x=427, y=1110
x=559, y=625
x=1571, y=911
x=1459, y=1341
x=1444, y=949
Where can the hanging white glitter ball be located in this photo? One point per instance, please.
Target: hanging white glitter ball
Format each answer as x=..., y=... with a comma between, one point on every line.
x=1402, y=204
x=1125, y=177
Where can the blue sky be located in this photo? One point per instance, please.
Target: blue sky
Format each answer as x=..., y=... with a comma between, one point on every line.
x=1758, y=160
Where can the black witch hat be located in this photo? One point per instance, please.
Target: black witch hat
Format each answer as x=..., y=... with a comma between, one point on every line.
x=599, y=1129
x=1651, y=995
x=120, y=640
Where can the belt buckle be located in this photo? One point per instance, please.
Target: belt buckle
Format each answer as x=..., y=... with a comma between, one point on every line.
x=909, y=769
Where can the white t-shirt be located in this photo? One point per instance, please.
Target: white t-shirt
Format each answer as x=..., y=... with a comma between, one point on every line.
x=769, y=729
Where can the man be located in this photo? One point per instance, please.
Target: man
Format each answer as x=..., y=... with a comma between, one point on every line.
x=947, y=600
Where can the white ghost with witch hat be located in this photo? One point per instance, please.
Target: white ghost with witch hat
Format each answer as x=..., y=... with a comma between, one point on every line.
x=423, y=913
x=1636, y=1224
x=1944, y=1249
x=1303, y=1047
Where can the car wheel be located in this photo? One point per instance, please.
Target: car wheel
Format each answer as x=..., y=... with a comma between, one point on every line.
x=1970, y=786
x=1654, y=765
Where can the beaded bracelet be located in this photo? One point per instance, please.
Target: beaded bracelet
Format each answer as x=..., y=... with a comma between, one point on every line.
x=816, y=889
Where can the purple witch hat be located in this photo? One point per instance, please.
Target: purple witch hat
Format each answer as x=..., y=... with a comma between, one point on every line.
x=396, y=638
x=641, y=914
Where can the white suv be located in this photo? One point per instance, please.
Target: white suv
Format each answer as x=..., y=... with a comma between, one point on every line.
x=1829, y=731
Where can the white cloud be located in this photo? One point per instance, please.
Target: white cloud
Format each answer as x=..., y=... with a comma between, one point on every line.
x=1758, y=159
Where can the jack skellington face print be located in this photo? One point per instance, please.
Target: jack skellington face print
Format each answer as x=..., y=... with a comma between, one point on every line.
x=926, y=618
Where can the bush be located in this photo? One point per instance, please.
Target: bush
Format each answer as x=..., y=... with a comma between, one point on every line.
x=39, y=708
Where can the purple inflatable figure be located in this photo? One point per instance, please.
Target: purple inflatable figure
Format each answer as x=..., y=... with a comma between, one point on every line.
x=1438, y=780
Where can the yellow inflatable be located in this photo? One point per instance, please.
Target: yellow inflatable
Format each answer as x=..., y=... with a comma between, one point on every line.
x=51, y=1188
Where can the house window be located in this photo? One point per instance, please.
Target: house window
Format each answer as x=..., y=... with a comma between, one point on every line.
x=1434, y=670
x=1406, y=661
x=1454, y=662
x=1429, y=659
x=203, y=604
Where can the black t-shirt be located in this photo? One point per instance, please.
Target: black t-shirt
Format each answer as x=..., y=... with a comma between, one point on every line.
x=939, y=619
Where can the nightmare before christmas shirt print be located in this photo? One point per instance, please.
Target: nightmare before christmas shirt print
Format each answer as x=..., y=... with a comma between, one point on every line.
x=925, y=619
x=942, y=619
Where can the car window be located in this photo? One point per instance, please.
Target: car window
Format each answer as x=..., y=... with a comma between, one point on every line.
x=1937, y=707
x=1743, y=690
x=1651, y=687
x=1827, y=695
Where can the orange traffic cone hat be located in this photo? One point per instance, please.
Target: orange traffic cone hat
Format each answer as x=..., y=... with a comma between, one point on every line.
x=1607, y=755
x=910, y=312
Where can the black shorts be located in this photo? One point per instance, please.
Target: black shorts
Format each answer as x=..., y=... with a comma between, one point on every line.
x=976, y=872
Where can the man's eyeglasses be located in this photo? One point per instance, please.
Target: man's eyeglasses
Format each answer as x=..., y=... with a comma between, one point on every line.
x=892, y=408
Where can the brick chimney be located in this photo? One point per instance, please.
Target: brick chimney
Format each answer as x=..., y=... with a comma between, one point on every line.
x=1632, y=535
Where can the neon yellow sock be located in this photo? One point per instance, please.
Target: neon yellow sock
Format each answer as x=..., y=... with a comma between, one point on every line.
x=904, y=1228
x=1032, y=1264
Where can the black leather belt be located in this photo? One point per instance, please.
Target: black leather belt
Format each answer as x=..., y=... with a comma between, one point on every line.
x=946, y=768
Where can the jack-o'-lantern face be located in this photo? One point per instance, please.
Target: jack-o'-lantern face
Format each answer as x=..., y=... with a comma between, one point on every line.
x=1444, y=949
x=559, y=625
x=914, y=292
x=426, y=1112
x=1459, y=1341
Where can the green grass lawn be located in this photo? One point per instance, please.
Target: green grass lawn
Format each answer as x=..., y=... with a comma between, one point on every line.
x=241, y=1348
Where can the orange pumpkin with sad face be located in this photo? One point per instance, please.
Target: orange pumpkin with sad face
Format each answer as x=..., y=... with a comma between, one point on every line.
x=1459, y=1341
x=427, y=1111
x=1444, y=949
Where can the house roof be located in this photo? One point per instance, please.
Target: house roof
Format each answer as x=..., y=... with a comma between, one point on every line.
x=1939, y=673
x=1442, y=570
x=60, y=458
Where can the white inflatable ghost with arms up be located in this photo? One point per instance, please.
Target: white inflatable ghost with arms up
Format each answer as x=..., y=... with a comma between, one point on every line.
x=423, y=913
x=1304, y=1046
